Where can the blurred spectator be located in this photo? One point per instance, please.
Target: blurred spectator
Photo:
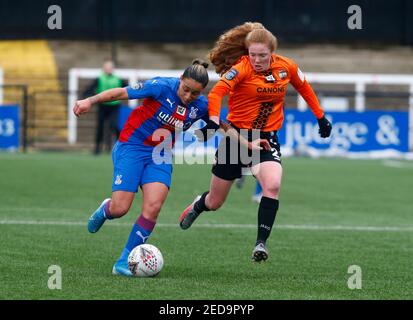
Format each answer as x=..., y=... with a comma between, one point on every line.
x=107, y=115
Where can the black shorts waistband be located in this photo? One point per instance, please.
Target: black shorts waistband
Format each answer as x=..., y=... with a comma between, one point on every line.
x=263, y=134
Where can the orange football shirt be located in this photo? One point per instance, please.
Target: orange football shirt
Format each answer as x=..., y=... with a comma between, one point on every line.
x=256, y=99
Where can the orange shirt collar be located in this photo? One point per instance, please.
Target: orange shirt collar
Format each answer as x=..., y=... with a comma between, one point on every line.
x=273, y=60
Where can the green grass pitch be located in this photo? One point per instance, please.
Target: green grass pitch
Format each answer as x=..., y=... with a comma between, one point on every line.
x=334, y=213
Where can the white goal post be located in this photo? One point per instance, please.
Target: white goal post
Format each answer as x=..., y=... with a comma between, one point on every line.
x=359, y=81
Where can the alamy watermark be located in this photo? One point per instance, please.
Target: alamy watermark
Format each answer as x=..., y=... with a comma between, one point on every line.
x=55, y=280
x=355, y=280
x=354, y=22
x=55, y=20
x=187, y=150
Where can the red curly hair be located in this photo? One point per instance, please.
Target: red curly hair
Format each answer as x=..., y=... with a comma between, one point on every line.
x=234, y=43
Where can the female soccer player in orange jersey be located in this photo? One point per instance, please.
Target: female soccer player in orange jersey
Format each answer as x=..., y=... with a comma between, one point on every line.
x=256, y=79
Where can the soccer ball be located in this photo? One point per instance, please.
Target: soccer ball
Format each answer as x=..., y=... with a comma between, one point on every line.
x=145, y=260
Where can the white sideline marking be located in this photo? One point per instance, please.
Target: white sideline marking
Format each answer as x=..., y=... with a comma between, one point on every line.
x=224, y=226
x=398, y=164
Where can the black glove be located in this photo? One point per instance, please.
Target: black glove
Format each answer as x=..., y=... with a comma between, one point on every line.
x=325, y=127
x=207, y=131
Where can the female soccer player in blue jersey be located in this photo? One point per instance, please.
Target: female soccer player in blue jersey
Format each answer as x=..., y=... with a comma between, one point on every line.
x=171, y=105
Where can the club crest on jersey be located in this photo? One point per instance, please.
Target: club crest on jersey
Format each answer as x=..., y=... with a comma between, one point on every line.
x=181, y=110
x=193, y=113
x=231, y=74
x=282, y=74
x=118, y=180
x=136, y=85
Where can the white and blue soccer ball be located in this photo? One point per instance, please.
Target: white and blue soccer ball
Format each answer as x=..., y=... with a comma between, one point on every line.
x=145, y=260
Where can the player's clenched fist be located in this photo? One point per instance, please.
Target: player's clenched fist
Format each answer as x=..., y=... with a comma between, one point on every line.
x=82, y=106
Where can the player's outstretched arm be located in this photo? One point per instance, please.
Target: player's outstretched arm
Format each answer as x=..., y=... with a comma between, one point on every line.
x=257, y=144
x=84, y=106
x=306, y=91
x=212, y=126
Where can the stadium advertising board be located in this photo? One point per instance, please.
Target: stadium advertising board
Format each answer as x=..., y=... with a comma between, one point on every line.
x=352, y=131
x=9, y=127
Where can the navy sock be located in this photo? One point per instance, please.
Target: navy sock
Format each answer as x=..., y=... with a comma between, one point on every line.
x=266, y=217
x=141, y=231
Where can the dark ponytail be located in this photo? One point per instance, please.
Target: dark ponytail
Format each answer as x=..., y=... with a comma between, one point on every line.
x=198, y=72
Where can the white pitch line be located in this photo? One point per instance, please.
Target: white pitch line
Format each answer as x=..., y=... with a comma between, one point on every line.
x=223, y=226
x=398, y=164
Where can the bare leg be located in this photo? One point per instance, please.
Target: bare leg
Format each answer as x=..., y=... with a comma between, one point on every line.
x=269, y=176
x=120, y=203
x=218, y=192
x=210, y=200
x=154, y=195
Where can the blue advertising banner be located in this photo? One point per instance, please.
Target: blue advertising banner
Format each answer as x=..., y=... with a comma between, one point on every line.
x=9, y=127
x=352, y=131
